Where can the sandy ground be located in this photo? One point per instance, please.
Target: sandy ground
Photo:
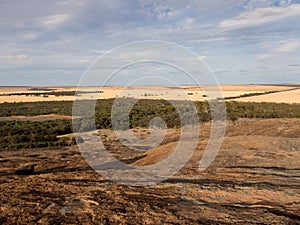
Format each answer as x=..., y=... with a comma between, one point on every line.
x=253, y=180
x=286, y=97
x=34, y=98
x=158, y=92
x=253, y=88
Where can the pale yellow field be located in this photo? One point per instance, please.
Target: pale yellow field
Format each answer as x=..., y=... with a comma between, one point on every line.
x=286, y=97
x=159, y=92
x=252, y=88
x=34, y=98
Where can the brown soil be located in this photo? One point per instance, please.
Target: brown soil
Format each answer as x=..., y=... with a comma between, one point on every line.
x=253, y=180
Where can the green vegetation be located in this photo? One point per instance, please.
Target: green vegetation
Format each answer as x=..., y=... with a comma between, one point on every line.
x=36, y=108
x=261, y=110
x=24, y=134
x=41, y=89
x=154, y=107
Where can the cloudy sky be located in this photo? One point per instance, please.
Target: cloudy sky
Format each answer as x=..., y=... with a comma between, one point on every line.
x=243, y=41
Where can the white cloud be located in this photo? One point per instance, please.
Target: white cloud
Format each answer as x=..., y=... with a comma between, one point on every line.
x=259, y=16
x=285, y=2
x=13, y=57
x=203, y=57
x=284, y=46
x=30, y=36
x=163, y=12
x=211, y=39
x=66, y=34
x=263, y=56
x=255, y=4
x=54, y=20
x=290, y=45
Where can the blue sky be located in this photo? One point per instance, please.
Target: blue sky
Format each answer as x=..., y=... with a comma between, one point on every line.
x=242, y=41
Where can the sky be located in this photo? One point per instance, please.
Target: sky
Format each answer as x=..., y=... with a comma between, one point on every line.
x=242, y=41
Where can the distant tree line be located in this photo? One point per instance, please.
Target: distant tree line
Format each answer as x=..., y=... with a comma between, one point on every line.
x=157, y=107
x=26, y=134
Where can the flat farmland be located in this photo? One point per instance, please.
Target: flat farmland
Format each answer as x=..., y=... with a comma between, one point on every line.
x=256, y=93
